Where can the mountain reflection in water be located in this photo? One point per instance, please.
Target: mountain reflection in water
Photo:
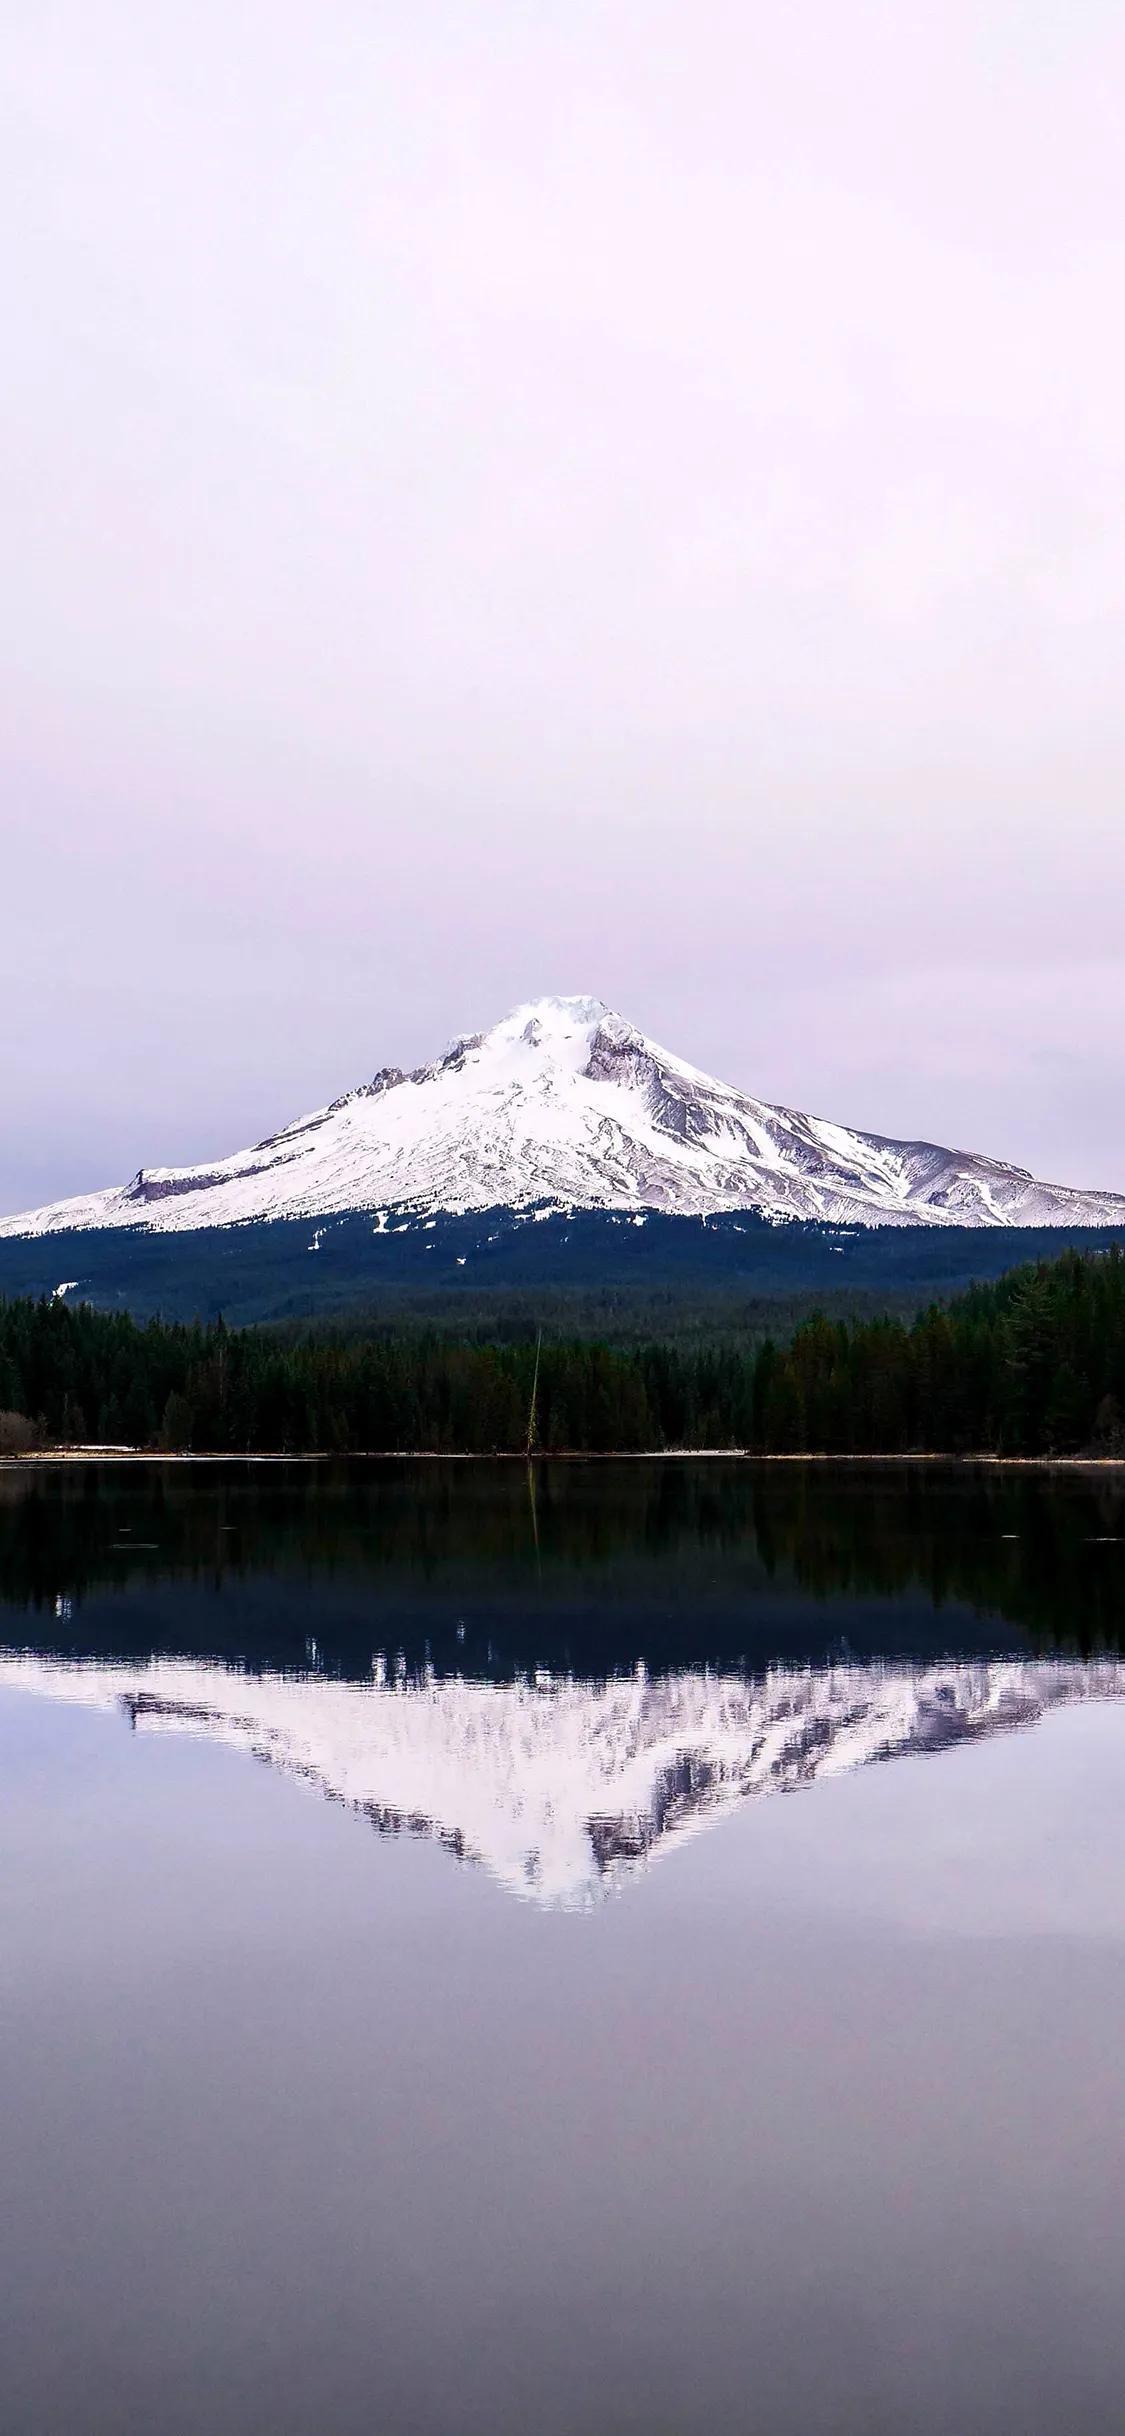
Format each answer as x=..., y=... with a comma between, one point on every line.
x=816, y=2131
x=562, y=1790
x=561, y=1672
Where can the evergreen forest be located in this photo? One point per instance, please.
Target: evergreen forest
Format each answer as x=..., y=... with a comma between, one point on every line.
x=1031, y=1364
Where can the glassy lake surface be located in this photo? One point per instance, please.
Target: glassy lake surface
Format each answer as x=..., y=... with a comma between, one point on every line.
x=501, y=2055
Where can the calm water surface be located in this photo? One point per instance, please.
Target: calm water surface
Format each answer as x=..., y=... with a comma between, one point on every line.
x=501, y=2053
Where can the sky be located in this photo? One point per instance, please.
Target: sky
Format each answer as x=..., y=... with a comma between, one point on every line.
x=561, y=498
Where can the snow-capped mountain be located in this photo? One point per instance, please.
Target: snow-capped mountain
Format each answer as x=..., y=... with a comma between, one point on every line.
x=562, y=1789
x=565, y=1106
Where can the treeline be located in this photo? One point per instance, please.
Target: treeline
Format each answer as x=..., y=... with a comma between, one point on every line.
x=1034, y=1364
x=1031, y=1365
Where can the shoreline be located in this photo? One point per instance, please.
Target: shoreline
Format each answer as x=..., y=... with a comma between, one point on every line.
x=42, y=1457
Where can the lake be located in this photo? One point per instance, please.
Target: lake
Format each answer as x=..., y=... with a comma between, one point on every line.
x=501, y=2053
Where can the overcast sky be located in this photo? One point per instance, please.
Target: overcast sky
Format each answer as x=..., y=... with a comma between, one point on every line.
x=517, y=498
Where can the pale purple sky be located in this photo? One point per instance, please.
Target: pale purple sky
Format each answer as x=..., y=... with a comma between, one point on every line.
x=578, y=497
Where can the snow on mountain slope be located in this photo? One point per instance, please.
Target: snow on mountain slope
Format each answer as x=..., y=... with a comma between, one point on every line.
x=564, y=1105
x=562, y=1789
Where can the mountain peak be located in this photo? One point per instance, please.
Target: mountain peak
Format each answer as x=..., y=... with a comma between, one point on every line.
x=538, y=1039
x=556, y=1014
x=551, y=1023
x=564, y=1105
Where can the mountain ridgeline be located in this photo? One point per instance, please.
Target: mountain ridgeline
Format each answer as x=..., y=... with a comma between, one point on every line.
x=560, y=1168
x=563, y=1107
x=1033, y=1364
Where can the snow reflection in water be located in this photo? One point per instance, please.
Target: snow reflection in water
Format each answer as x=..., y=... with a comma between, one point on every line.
x=563, y=1788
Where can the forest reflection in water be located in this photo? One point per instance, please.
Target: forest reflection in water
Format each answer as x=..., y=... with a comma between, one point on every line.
x=494, y=1567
